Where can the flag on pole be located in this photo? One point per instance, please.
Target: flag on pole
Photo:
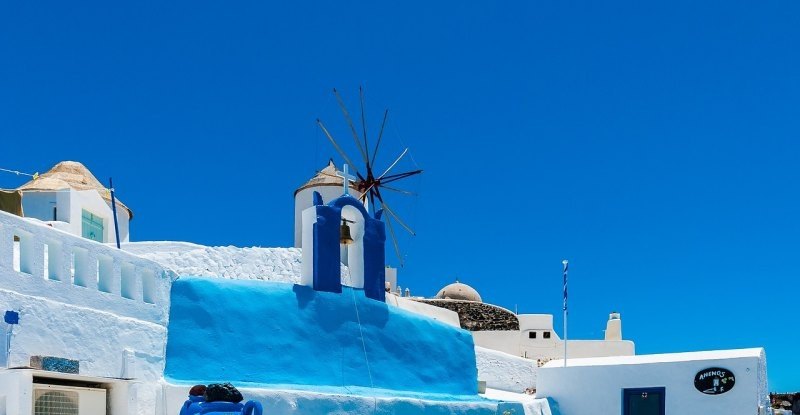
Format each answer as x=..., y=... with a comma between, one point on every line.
x=566, y=268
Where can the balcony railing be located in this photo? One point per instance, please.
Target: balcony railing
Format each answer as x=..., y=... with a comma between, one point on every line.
x=36, y=259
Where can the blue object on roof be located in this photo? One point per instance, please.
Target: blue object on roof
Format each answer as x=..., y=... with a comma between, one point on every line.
x=11, y=317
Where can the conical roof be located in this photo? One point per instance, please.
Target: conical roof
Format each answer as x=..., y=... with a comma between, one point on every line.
x=325, y=177
x=70, y=175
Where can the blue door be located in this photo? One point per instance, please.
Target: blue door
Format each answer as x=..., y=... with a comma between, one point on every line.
x=643, y=401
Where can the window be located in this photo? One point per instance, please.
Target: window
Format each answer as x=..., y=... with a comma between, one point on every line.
x=91, y=226
x=546, y=335
x=531, y=334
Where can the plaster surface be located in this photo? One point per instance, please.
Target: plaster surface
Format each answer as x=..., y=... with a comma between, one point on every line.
x=265, y=333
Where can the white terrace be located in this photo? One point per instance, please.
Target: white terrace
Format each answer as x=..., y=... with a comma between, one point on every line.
x=39, y=260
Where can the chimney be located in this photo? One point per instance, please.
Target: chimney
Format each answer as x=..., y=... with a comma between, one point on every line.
x=614, y=327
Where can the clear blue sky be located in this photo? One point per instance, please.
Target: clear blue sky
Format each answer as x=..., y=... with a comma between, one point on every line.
x=654, y=145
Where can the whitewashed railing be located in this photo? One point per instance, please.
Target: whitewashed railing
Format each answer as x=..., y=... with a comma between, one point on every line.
x=38, y=260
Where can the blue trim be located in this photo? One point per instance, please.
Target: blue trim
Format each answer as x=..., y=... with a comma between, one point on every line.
x=327, y=256
x=327, y=250
x=317, y=199
x=11, y=317
x=347, y=200
x=374, y=259
x=627, y=393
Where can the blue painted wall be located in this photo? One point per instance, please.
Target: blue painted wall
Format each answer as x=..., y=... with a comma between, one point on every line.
x=281, y=334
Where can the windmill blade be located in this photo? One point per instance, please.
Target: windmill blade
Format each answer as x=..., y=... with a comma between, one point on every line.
x=395, y=177
x=394, y=240
x=326, y=174
x=372, y=202
x=400, y=221
x=371, y=186
x=336, y=145
x=380, y=134
x=361, y=178
x=393, y=164
x=389, y=210
x=364, y=127
x=352, y=126
x=394, y=189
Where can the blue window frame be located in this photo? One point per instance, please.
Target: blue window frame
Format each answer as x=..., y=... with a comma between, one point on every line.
x=644, y=401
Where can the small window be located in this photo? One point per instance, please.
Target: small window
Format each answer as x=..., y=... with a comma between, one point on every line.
x=92, y=226
x=546, y=335
x=531, y=334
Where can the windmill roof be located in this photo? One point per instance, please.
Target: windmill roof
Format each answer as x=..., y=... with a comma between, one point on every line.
x=325, y=177
x=70, y=175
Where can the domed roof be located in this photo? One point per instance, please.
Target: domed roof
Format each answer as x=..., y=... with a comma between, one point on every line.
x=70, y=175
x=459, y=291
x=326, y=177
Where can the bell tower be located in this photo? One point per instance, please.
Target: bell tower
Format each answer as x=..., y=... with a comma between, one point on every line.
x=343, y=232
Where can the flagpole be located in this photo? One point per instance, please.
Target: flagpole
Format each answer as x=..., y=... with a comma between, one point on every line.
x=566, y=267
x=114, y=210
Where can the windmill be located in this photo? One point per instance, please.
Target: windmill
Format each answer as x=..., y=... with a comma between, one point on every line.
x=367, y=180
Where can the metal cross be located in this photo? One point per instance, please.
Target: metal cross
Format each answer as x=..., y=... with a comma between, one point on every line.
x=346, y=179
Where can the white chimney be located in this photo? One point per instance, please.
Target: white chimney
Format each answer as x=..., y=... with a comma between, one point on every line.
x=614, y=327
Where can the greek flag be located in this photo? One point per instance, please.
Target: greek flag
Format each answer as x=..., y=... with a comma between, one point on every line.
x=566, y=268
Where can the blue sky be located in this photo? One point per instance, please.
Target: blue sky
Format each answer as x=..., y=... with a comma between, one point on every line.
x=654, y=145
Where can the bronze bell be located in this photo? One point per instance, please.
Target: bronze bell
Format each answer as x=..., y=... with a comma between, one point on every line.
x=344, y=233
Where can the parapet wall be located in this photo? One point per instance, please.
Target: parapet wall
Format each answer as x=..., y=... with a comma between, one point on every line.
x=37, y=260
x=81, y=300
x=265, y=333
x=476, y=316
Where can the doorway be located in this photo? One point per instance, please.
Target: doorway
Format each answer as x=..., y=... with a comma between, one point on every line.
x=643, y=401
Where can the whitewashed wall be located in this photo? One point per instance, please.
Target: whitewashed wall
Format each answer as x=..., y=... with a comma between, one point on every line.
x=82, y=300
x=594, y=386
x=517, y=343
x=437, y=313
x=93, y=202
x=504, y=371
x=70, y=204
x=504, y=341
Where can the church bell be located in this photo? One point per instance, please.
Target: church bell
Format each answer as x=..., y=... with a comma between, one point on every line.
x=344, y=233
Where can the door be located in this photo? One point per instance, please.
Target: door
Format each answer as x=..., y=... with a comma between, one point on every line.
x=643, y=401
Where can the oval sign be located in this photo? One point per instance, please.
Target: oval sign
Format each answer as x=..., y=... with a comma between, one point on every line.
x=714, y=380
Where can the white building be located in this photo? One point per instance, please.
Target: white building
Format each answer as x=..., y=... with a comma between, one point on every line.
x=70, y=198
x=530, y=336
x=91, y=323
x=86, y=328
x=713, y=382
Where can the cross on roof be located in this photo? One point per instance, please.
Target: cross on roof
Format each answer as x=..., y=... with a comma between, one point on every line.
x=346, y=179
